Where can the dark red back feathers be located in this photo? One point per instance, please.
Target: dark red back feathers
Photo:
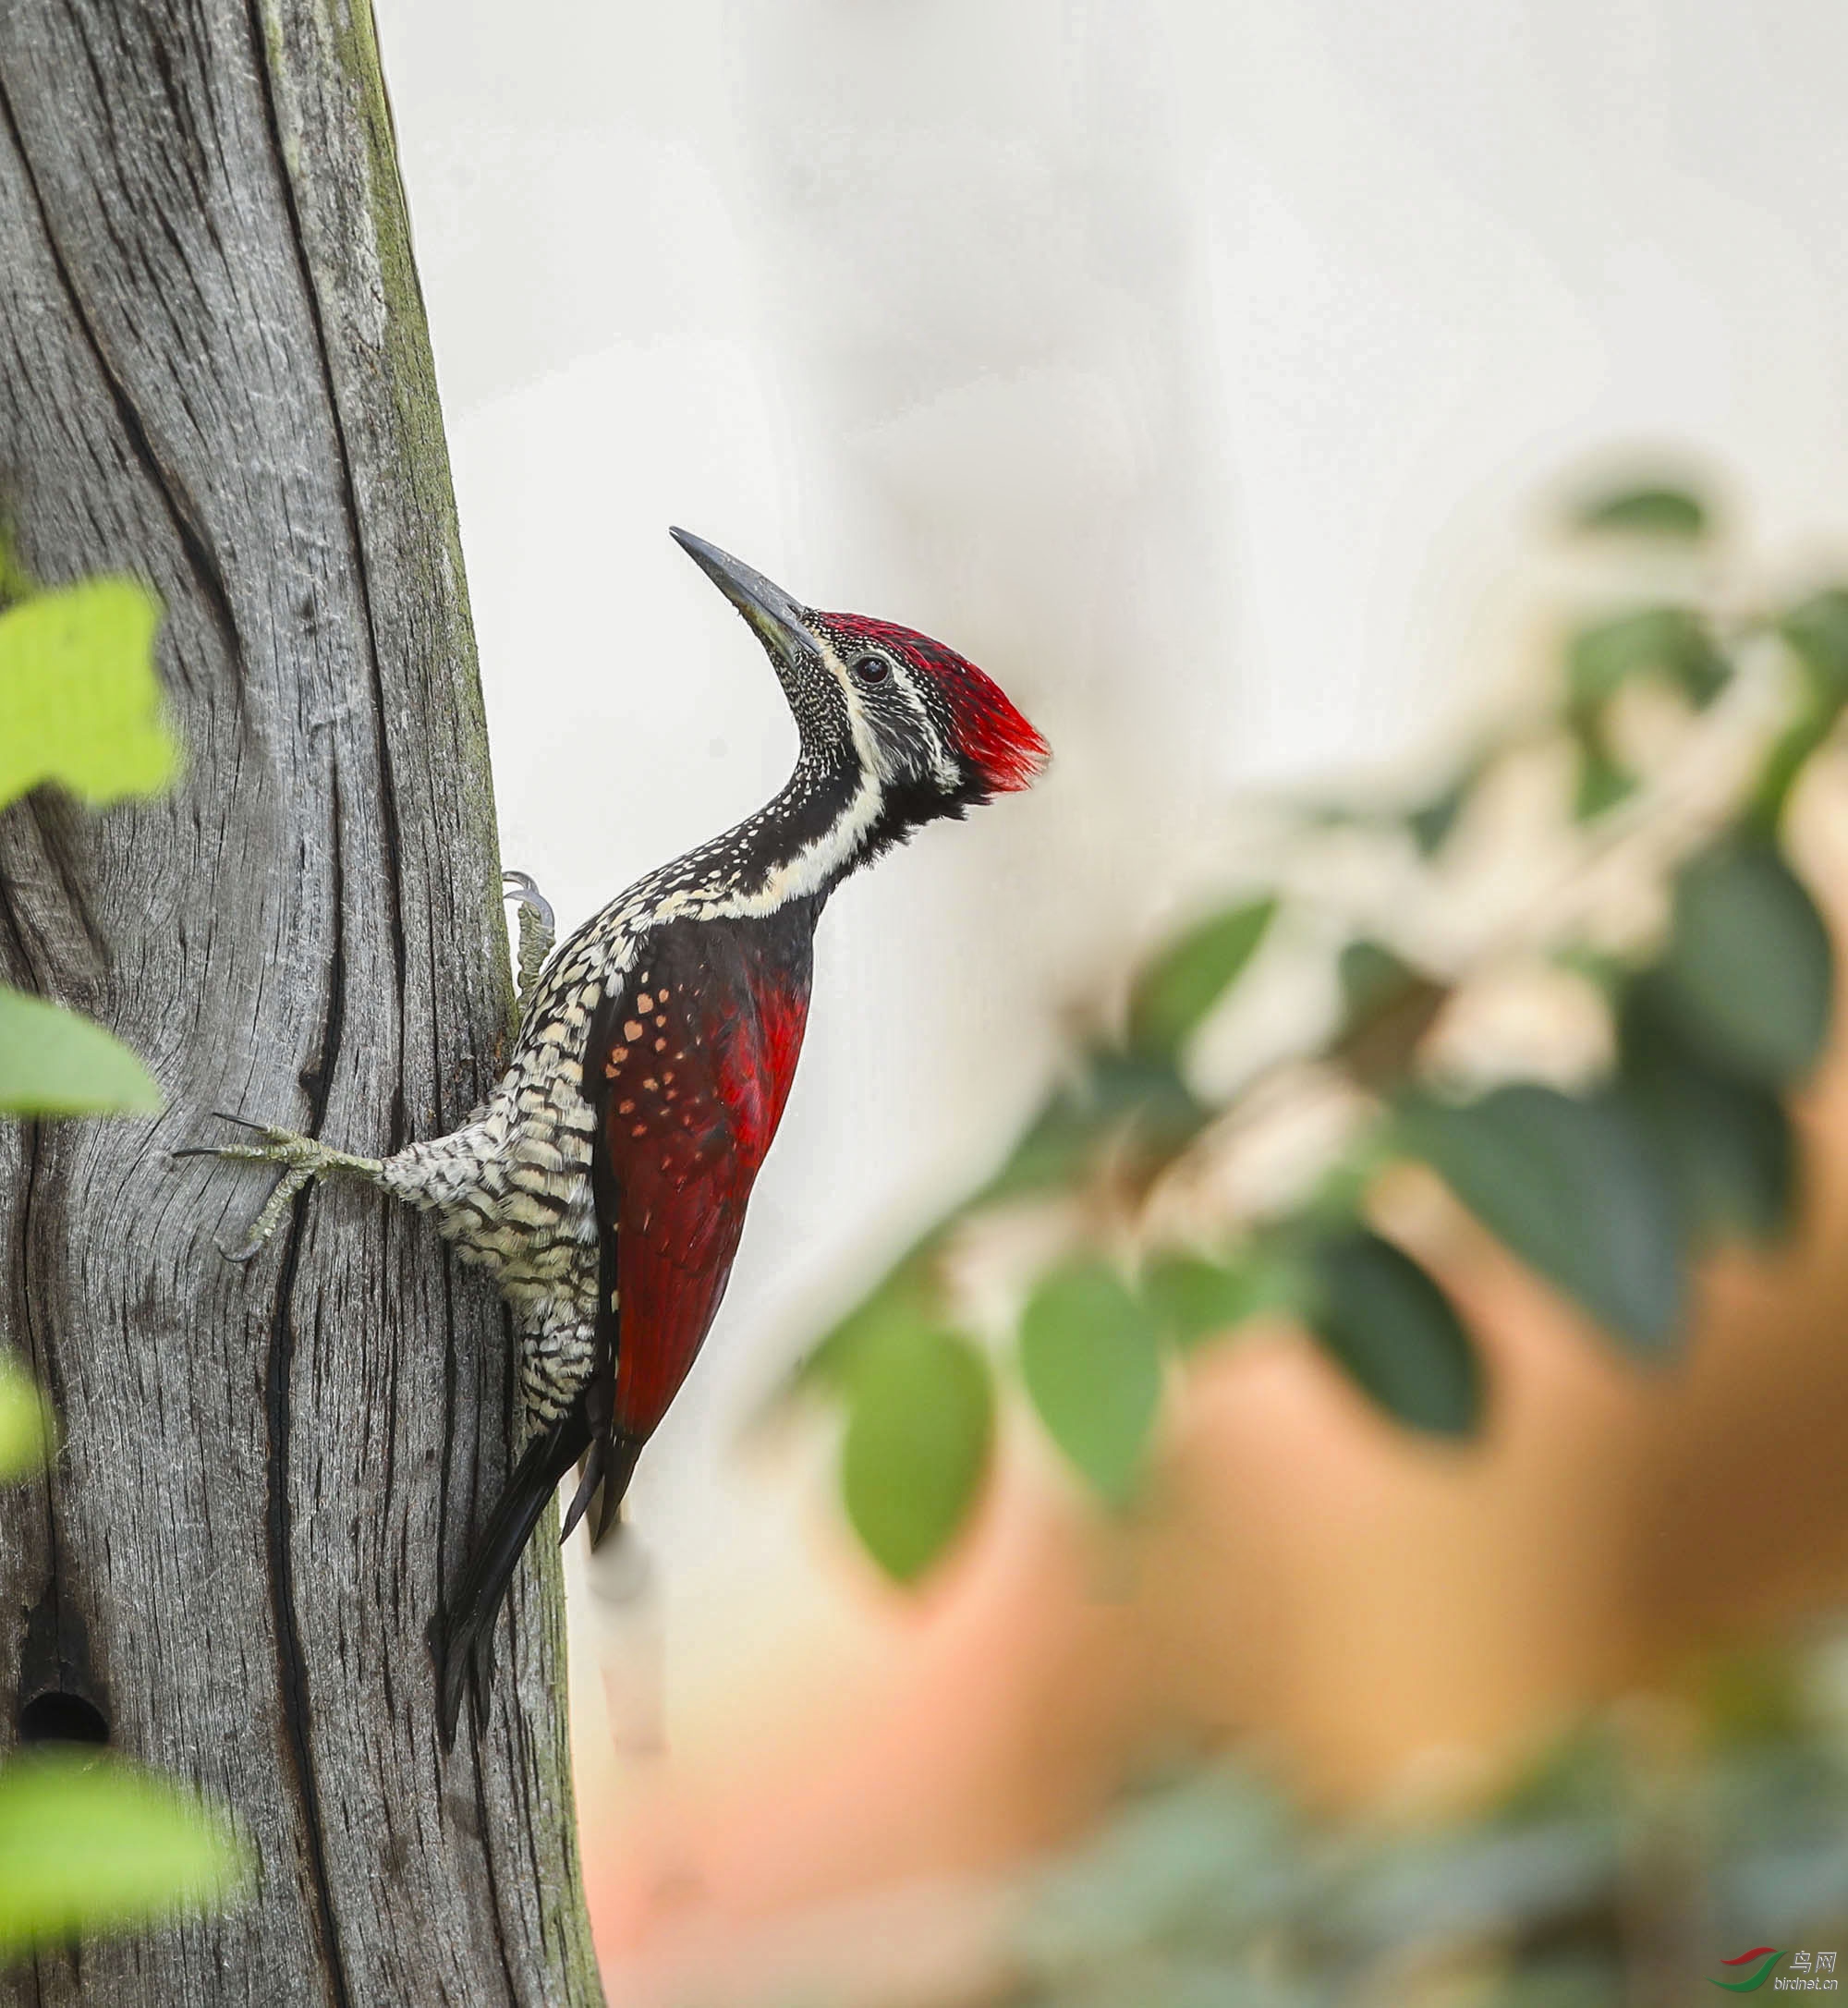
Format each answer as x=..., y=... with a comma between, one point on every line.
x=695, y=1068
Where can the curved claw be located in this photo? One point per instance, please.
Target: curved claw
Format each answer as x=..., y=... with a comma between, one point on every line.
x=520, y=885
x=218, y=1149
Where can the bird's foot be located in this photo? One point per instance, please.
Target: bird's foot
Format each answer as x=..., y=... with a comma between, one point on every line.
x=301, y=1160
x=538, y=927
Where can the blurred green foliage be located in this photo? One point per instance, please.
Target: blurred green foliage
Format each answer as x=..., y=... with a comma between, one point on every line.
x=28, y=1434
x=96, y=639
x=1396, y=1332
x=1572, y=1185
x=1655, y=1842
x=1748, y=975
x=1610, y=1191
x=1088, y=1357
x=87, y=1842
x=80, y=709
x=1194, y=1299
x=54, y=1063
x=1186, y=979
x=1726, y=1141
x=919, y=1419
x=1648, y=511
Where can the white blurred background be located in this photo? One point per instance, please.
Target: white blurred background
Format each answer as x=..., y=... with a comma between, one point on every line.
x=1198, y=369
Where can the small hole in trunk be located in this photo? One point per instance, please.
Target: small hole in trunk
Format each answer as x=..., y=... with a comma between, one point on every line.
x=62, y=1718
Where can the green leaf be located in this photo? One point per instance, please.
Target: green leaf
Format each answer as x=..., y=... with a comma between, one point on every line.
x=1748, y=977
x=1396, y=1333
x=1603, y=783
x=1650, y=512
x=1054, y=1148
x=1194, y=1300
x=1185, y=982
x=53, y=1062
x=90, y=1844
x=1145, y=1093
x=1135, y=1094
x=903, y=1299
x=907, y=1299
x=1574, y=1188
x=1671, y=641
x=1087, y=1354
x=1433, y=822
x=1369, y=977
x=80, y=702
x=919, y=1422
x=1728, y=1143
x=1783, y=765
x=1818, y=633
x=27, y=1435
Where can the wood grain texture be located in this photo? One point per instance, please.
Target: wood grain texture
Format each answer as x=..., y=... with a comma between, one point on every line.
x=214, y=373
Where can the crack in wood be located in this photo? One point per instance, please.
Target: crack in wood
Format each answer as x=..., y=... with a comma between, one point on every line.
x=206, y=573
x=297, y=1704
x=389, y=833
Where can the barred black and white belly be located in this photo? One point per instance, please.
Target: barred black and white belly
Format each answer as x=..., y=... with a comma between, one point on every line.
x=511, y=1188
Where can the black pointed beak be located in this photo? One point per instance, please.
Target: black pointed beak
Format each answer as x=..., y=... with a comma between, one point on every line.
x=778, y=623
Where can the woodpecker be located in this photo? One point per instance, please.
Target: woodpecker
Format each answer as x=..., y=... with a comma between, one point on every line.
x=603, y=1182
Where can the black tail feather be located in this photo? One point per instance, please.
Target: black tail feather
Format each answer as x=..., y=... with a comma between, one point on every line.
x=601, y=1485
x=463, y=1636
x=590, y=1485
x=618, y=1468
x=464, y=1640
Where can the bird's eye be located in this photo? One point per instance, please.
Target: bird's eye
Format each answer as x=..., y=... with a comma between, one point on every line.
x=871, y=669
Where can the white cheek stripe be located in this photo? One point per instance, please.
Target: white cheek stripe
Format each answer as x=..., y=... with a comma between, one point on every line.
x=941, y=766
x=866, y=741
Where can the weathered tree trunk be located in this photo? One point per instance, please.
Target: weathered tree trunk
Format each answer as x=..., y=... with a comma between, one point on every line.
x=214, y=372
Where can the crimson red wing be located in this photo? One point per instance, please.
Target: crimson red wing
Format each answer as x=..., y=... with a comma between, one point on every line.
x=689, y=1073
